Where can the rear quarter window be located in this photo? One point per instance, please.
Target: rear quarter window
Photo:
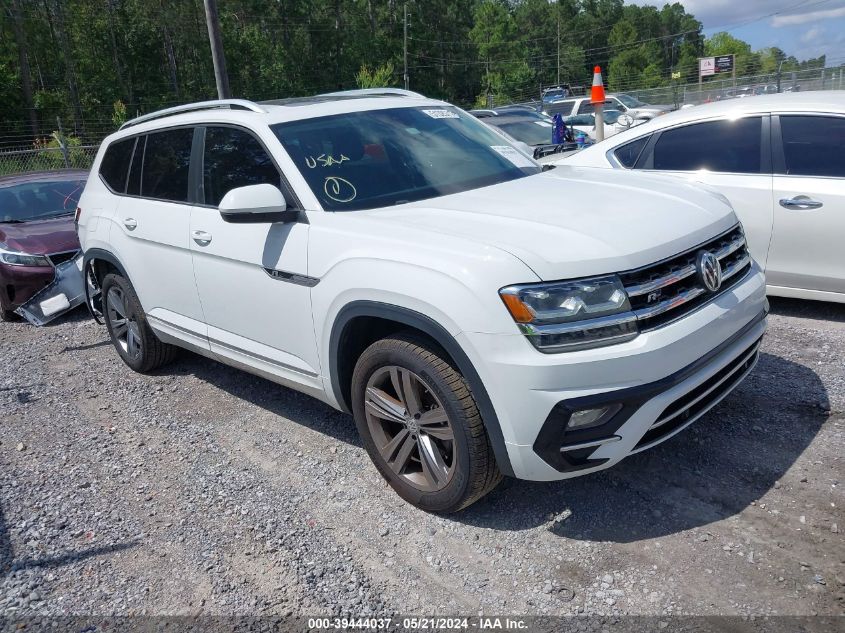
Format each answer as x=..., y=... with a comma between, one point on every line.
x=628, y=153
x=115, y=164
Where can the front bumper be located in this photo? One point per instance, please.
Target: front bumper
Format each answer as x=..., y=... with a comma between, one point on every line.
x=664, y=379
x=18, y=284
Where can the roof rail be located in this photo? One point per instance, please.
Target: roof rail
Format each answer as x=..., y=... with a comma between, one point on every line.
x=396, y=92
x=233, y=104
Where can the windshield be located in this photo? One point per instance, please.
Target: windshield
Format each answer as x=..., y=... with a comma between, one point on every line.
x=630, y=102
x=379, y=158
x=40, y=199
x=530, y=131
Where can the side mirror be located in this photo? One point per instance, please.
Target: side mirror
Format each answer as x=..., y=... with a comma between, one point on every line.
x=256, y=204
x=625, y=120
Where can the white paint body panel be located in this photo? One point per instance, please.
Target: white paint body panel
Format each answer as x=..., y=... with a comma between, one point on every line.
x=445, y=258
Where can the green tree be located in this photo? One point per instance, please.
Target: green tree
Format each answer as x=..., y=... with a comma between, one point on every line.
x=380, y=77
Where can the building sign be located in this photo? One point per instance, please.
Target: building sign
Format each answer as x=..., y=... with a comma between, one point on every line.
x=706, y=66
x=724, y=64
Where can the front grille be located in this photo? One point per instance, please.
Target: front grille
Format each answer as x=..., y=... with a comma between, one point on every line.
x=668, y=290
x=59, y=258
x=696, y=402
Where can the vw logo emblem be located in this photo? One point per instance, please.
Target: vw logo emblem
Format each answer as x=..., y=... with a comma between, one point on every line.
x=709, y=270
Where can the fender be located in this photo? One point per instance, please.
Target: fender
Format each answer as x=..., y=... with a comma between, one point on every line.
x=443, y=338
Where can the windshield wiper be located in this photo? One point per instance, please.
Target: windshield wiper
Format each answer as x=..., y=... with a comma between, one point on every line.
x=12, y=221
x=50, y=216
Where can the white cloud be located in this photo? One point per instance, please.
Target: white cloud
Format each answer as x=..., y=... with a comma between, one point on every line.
x=805, y=18
x=811, y=35
x=724, y=13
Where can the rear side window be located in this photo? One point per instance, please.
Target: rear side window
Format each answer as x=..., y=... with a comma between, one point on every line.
x=628, y=153
x=586, y=107
x=720, y=146
x=115, y=164
x=167, y=159
x=234, y=158
x=813, y=145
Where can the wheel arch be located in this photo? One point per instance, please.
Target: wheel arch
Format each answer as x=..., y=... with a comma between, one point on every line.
x=101, y=262
x=98, y=255
x=394, y=318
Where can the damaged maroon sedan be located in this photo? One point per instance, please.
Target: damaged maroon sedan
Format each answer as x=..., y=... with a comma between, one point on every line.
x=37, y=231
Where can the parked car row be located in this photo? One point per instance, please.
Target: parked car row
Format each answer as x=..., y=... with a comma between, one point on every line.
x=477, y=313
x=623, y=103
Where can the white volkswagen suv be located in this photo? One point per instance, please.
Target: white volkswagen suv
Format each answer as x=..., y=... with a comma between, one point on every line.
x=391, y=256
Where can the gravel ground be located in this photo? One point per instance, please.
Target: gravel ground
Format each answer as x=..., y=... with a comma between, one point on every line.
x=202, y=489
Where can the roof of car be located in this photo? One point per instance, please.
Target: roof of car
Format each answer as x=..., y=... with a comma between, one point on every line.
x=35, y=176
x=275, y=111
x=817, y=101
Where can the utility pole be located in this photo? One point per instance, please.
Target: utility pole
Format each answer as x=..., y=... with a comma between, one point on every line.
x=558, y=46
x=213, y=21
x=405, y=44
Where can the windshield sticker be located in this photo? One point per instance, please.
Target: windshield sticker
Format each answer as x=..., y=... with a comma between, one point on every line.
x=339, y=189
x=442, y=114
x=513, y=155
x=324, y=161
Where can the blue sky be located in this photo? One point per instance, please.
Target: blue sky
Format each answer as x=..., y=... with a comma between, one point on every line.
x=803, y=28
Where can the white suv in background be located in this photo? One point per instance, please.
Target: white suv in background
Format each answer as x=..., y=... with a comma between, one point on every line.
x=393, y=257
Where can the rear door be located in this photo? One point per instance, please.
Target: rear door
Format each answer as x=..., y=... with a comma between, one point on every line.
x=809, y=203
x=150, y=233
x=733, y=156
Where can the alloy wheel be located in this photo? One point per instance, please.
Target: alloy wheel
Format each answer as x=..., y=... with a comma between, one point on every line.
x=124, y=326
x=410, y=428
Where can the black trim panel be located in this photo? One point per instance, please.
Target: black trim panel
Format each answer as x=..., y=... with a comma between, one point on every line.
x=293, y=278
x=445, y=340
x=551, y=435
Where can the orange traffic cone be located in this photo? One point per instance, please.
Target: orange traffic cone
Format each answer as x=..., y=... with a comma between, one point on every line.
x=597, y=91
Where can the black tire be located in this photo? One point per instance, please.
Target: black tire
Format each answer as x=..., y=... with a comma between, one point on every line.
x=8, y=316
x=473, y=470
x=151, y=353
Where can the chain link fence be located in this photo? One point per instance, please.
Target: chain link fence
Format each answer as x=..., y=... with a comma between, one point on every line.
x=712, y=89
x=728, y=88
x=45, y=159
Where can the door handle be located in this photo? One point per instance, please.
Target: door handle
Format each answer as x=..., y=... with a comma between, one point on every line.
x=130, y=223
x=202, y=238
x=800, y=203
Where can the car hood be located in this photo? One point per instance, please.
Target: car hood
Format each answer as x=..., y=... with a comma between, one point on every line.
x=653, y=109
x=574, y=221
x=40, y=237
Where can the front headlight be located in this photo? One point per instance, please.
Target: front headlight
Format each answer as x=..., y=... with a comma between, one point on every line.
x=572, y=315
x=22, y=259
